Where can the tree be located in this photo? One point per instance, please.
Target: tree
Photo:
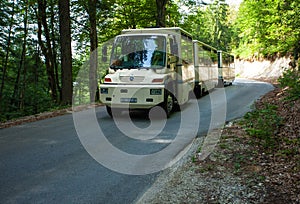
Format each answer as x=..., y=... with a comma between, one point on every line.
x=161, y=12
x=19, y=87
x=93, y=50
x=54, y=26
x=66, y=53
x=210, y=24
x=130, y=14
x=47, y=47
x=7, y=50
x=268, y=27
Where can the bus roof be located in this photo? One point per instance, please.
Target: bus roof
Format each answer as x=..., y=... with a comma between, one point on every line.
x=176, y=30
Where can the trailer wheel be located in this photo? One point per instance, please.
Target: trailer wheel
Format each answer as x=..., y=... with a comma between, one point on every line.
x=168, y=104
x=198, y=91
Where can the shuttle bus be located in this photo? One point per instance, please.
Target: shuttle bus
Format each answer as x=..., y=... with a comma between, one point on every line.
x=157, y=67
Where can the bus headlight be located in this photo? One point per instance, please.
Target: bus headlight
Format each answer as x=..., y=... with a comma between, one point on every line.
x=104, y=90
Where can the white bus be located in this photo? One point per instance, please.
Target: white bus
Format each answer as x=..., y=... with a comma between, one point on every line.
x=157, y=66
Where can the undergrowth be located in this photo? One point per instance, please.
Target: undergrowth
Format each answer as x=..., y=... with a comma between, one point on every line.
x=264, y=123
x=291, y=80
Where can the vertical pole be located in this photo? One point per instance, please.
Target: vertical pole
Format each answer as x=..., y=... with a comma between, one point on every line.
x=220, y=69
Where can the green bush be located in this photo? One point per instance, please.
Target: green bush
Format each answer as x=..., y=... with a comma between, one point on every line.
x=263, y=124
x=291, y=79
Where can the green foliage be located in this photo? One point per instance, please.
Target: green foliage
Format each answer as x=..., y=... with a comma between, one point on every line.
x=263, y=124
x=267, y=27
x=291, y=80
x=211, y=24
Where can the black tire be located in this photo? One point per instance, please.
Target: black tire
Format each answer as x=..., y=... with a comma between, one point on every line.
x=168, y=104
x=176, y=106
x=113, y=112
x=109, y=111
x=198, y=91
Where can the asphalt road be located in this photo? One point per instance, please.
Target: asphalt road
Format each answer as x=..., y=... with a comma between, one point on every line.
x=87, y=157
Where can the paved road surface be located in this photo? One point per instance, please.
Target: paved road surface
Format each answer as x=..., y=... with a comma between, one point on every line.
x=46, y=161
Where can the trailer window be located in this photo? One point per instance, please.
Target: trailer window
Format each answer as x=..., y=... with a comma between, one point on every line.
x=207, y=56
x=227, y=60
x=186, y=49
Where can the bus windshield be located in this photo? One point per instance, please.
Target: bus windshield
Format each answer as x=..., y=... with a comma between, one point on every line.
x=143, y=51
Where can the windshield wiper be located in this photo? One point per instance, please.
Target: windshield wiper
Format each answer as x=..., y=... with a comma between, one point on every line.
x=114, y=67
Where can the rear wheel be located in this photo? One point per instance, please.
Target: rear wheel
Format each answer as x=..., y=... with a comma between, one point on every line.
x=198, y=91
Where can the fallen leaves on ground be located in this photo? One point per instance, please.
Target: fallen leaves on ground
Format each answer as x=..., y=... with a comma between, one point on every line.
x=276, y=167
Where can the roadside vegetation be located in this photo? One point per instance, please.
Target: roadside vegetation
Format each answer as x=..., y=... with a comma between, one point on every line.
x=262, y=149
x=274, y=133
x=270, y=119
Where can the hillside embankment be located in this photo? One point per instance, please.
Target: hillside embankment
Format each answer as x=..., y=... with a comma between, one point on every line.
x=266, y=69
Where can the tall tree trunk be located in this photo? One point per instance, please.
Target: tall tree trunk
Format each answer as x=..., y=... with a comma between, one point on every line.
x=297, y=50
x=66, y=53
x=36, y=76
x=15, y=100
x=46, y=50
x=5, y=65
x=23, y=58
x=53, y=38
x=94, y=53
x=161, y=13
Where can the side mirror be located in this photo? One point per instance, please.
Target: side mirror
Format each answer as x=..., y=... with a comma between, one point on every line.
x=174, y=49
x=172, y=59
x=104, y=53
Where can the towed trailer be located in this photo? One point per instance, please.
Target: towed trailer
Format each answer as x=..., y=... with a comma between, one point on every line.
x=226, y=67
x=206, y=68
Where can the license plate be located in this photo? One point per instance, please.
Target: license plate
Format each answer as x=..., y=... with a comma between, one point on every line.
x=128, y=100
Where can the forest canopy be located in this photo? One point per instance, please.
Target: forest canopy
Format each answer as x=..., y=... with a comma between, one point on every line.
x=44, y=43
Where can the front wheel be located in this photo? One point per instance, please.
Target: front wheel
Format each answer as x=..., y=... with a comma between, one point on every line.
x=109, y=111
x=168, y=104
x=113, y=112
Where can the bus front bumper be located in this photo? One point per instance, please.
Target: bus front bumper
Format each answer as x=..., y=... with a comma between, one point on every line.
x=131, y=96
